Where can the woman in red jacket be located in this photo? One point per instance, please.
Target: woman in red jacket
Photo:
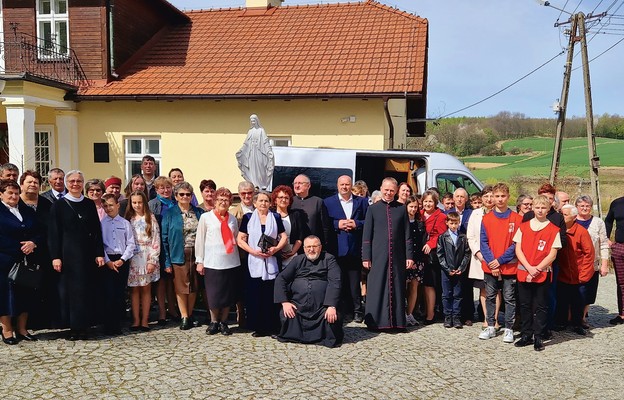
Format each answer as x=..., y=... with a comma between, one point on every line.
x=435, y=225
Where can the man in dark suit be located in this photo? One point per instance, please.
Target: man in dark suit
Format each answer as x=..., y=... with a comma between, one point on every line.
x=314, y=211
x=460, y=198
x=56, y=179
x=347, y=213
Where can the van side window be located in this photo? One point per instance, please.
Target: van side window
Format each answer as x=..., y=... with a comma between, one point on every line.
x=447, y=183
x=323, y=179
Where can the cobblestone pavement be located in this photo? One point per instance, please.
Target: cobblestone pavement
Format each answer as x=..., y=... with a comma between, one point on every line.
x=426, y=362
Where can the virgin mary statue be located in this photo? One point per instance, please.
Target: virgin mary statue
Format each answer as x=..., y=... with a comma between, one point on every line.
x=255, y=158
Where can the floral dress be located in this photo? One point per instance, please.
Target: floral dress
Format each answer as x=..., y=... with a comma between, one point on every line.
x=148, y=251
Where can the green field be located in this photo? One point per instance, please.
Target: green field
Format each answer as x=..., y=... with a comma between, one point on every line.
x=574, y=158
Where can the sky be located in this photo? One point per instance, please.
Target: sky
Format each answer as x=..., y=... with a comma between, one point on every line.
x=478, y=47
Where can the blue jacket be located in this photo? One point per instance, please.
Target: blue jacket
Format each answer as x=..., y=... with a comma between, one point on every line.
x=172, y=236
x=348, y=243
x=463, y=228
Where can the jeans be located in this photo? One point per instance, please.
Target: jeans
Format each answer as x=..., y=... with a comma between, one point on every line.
x=451, y=294
x=509, y=297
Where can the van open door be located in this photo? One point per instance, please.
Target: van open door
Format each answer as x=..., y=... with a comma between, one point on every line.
x=374, y=168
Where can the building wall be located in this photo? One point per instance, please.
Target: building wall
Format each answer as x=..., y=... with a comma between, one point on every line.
x=202, y=136
x=87, y=36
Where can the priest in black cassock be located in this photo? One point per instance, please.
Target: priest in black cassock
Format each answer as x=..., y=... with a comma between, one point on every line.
x=386, y=252
x=309, y=291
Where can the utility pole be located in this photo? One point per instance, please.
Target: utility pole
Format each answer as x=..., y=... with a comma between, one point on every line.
x=578, y=24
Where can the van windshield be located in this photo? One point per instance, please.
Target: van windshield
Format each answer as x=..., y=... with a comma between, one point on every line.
x=323, y=180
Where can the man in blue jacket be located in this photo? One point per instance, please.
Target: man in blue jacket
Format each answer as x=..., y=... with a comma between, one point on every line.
x=347, y=213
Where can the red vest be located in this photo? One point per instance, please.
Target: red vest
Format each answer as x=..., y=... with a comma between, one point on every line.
x=500, y=232
x=536, y=246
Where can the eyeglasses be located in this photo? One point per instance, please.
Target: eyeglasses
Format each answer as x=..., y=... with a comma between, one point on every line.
x=313, y=246
x=301, y=183
x=283, y=198
x=185, y=194
x=222, y=200
x=94, y=190
x=74, y=181
x=246, y=193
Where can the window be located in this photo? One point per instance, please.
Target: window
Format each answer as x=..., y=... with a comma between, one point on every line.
x=136, y=148
x=448, y=182
x=280, y=141
x=43, y=149
x=52, y=28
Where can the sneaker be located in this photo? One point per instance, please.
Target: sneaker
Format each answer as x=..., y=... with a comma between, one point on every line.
x=488, y=333
x=508, y=337
x=225, y=329
x=411, y=321
x=458, y=324
x=448, y=323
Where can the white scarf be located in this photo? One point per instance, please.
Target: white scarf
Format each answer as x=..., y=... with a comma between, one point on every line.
x=69, y=197
x=265, y=268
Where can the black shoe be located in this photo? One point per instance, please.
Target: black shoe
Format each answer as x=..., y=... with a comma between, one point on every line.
x=429, y=321
x=28, y=337
x=10, y=340
x=617, y=320
x=225, y=329
x=448, y=322
x=194, y=322
x=359, y=318
x=162, y=322
x=260, y=334
x=144, y=328
x=579, y=330
x=185, y=324
x=524, y=341
x=457, y=324
x=538, y=345
x=213, y=328
x=135, y=328
x=72, y=336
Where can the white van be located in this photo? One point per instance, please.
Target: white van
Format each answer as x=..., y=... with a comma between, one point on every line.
x=420, y=169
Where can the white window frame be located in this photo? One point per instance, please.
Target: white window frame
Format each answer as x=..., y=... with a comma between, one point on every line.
x=280, y=141
x=49, y=130
x=53, y=18
x=130, y=157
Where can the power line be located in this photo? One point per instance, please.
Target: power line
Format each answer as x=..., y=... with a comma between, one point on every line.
x=615, y=44
x=505, y=88
x=577, y=6
x=598, y=5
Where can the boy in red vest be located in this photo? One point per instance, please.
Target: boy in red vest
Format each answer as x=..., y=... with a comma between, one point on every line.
x=499, y=260
x=537, y=243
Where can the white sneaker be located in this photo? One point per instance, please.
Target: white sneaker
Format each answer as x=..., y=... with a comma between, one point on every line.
x=509, y=336
x=488, y=333
x=411, y=321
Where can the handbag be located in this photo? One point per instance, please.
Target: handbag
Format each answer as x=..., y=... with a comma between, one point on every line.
x=266, y=242
x=26, y=274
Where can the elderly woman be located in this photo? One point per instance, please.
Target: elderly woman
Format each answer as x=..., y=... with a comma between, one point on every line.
x=262, y=313
x=76, y=249
x=616, y=215
x=217, y=259
x=165, y=295
x=598, y=233
x=207, y=187
x=179, y=229
x=19, y=235
x=44, y=312
x=246, y=191
x=135, y=184
x=524, y=204
x=295, y=227
x=95, y=189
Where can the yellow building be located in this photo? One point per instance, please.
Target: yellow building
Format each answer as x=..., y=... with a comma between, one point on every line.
x=182, y=88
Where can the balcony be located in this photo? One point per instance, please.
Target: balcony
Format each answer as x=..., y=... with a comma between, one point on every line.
x=28, y=57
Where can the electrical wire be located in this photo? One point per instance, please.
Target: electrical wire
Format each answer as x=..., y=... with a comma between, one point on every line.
x=598, y=5
x=612, y=46
x=505, y=88
x=577, y=6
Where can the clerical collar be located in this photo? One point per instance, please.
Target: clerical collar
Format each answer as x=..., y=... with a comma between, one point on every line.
x=69, y=197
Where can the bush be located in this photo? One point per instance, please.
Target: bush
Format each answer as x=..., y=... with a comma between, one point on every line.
x=515, y=151
x=492, y=150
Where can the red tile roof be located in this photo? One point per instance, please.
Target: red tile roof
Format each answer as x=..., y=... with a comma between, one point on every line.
x=347, y=49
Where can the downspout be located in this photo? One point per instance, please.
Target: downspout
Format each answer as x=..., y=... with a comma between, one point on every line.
x=111, y=47
x=390, y=125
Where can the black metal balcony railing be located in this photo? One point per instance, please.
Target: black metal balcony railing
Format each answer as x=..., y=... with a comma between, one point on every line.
x=25, y=54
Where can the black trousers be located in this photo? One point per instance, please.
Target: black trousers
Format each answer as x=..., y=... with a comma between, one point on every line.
x=533, y=301
x=569, y=297
x=351, y=274
x=112, y=299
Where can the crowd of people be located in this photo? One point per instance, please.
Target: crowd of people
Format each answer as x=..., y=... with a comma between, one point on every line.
x=297, y=267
